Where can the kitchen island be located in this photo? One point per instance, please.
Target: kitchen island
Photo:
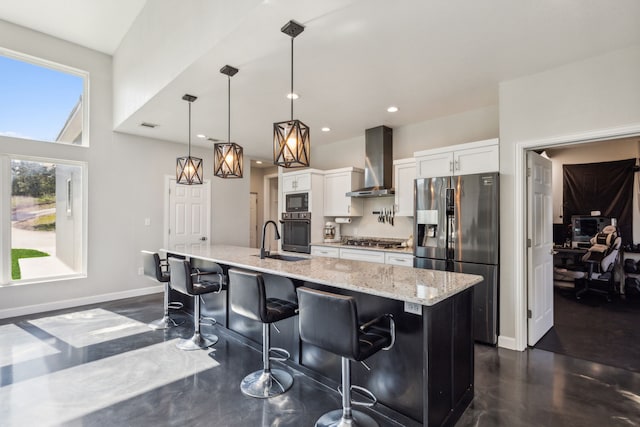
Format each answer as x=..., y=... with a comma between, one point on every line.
x=427, y=376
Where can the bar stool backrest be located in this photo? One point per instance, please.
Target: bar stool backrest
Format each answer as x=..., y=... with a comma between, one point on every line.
x=181, y=279
x=247, y=294
x=329, y=321
x=152, y=268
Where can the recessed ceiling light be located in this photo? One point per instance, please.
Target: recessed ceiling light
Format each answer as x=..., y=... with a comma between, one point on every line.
x=258, y=162
x=326, y=129
x=392, y=109
x=201, y=136
x=292, y=96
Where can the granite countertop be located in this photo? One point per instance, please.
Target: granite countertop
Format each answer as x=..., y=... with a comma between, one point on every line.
x=421, y=286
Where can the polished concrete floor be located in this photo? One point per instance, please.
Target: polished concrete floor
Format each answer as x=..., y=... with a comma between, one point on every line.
x=101, y=366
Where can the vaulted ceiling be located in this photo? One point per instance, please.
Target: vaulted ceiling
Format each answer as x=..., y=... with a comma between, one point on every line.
x=430, y=58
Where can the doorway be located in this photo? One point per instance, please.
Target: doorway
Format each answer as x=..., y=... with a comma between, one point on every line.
x=187, y=214
x=589, y=328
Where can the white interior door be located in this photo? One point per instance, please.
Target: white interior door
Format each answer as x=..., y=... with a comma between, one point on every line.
x=253, y=220
x=189, y=214
x=540, y=250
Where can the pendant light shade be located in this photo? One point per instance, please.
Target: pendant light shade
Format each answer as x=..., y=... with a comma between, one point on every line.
x=228, y=155
x=291, y=140
x=189, y=169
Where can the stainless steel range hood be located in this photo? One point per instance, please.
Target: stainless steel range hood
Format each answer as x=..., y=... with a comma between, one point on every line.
x=378, y=167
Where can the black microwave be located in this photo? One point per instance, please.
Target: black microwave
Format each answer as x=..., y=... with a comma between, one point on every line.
x=297, y=202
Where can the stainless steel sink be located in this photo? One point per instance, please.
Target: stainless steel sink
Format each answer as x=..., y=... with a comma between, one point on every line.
x=282, y=257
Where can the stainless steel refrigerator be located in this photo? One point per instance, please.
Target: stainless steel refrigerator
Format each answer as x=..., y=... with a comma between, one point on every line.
x=456, y=229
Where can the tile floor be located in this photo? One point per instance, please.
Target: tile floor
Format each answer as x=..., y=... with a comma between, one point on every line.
x=100, y=366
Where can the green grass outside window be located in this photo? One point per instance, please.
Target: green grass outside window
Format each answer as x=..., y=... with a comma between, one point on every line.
x=16, y=254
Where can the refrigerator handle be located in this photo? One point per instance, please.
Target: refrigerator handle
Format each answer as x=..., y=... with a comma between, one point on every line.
x=450, y=201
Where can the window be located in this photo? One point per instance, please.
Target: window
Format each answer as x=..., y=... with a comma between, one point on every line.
x=47, y=219
x=42, y=200
x=42, y=101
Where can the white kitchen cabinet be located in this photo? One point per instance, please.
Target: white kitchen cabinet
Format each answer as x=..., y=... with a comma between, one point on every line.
x=325, y=251
x=404, y=174
x=362, y=255
x=337, y=183
x=296, y=181
x=394, y=258
x=462, y=159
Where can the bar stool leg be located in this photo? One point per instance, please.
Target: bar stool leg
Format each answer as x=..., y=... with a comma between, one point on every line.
x=197, y=341
x=346, y=417
x=266, y=382
x=166, y=321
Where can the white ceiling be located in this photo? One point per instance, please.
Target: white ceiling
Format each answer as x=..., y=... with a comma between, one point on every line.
x=430, y=58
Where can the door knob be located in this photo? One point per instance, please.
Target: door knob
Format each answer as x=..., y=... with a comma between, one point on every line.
x=203, y=238
x=552, y=252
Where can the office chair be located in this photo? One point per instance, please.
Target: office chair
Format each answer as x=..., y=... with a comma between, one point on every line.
x=600, y=261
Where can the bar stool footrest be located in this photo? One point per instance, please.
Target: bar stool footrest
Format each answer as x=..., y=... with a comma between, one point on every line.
x=175, y=305
x=363, y=391
x=281, y=354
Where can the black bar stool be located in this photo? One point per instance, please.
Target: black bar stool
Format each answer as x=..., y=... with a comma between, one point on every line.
x=158, y=269
x=182, y=280
x=249, y=299
x=330, y=321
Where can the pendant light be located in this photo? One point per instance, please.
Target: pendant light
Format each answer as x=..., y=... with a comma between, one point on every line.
x=291, y=142
x=228, y=155
x=189, y=169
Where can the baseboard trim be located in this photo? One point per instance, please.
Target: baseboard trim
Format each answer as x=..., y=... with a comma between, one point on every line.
x=76, y=302
x=508, y=343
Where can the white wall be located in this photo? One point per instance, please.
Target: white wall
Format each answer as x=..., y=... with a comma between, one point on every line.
x=125, y=184
x=590, y=96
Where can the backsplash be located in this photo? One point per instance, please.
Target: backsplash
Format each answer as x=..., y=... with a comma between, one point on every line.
x=368, y=224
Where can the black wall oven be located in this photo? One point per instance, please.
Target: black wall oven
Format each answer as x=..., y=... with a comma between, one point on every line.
x=296, y=232
x=296, y=202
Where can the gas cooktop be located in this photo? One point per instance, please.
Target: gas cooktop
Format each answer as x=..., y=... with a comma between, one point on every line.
x=373, y=243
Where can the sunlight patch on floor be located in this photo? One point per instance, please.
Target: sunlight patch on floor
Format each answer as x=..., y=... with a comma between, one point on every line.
x=84, y=328
x=75, y=392
x=18, y=345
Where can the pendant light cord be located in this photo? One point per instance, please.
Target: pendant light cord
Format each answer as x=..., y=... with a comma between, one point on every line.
x=189, y=128
x=291, y=93
x=229, y=109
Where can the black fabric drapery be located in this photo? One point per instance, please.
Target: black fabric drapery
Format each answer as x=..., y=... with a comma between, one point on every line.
x=606, y=187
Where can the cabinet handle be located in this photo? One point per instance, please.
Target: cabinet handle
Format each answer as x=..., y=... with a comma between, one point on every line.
x=450, y=166
x=457, y=163
x=348, y=208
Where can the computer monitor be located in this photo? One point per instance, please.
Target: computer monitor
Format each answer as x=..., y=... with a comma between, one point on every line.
x=584, y=227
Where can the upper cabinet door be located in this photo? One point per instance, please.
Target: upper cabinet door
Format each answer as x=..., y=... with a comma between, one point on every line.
x=404, y=173
x=296, y=182
x=435, y=165
x=336, y=186
x=476, y=160
x=461, y=159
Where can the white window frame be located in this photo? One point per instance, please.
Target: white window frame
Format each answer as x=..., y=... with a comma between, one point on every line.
x=5, y=219
x=65, y=69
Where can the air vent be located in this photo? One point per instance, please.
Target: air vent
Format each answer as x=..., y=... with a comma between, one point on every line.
x=148, y=125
